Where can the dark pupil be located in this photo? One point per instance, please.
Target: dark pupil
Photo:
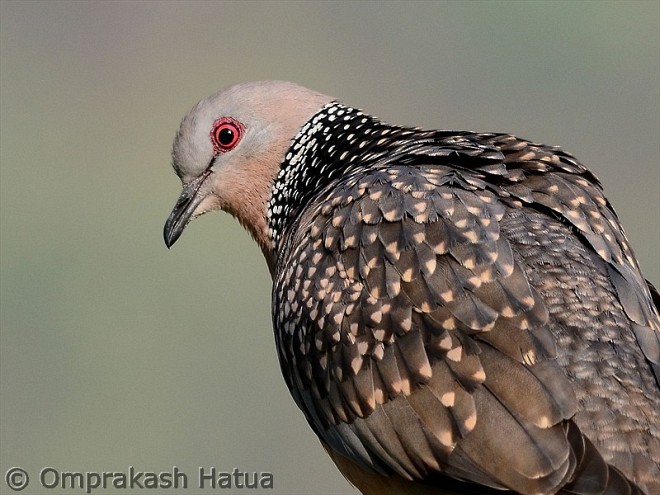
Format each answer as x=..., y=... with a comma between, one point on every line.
x=226, y=136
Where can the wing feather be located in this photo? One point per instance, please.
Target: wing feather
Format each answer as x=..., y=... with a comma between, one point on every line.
x=417, y=328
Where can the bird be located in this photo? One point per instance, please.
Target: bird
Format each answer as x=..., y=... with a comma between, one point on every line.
x=453, y=311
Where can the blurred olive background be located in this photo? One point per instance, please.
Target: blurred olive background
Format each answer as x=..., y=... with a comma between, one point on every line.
x=116, y=351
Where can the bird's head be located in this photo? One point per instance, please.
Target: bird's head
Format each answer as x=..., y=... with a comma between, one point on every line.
x=229, y=148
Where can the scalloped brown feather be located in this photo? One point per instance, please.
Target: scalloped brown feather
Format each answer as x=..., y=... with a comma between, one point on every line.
x=439, y=339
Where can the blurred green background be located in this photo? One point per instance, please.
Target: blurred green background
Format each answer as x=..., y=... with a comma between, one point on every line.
x=116, y=351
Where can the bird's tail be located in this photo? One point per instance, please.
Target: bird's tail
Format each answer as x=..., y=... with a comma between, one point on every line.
x=592, y=474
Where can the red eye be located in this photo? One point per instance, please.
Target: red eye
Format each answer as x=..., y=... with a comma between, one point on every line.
x=225, y=134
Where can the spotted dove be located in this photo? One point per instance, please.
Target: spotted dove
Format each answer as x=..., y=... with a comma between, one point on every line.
x=454, y=312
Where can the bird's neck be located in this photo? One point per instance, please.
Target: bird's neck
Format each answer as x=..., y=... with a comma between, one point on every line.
x=340, y=142
x=335, y=141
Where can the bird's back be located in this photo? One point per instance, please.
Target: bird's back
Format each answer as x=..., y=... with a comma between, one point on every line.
x=466, y=304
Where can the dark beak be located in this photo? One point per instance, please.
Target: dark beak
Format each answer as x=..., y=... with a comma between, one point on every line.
x=184, y=209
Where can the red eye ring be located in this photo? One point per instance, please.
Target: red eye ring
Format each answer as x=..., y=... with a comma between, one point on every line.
x=225, y=134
